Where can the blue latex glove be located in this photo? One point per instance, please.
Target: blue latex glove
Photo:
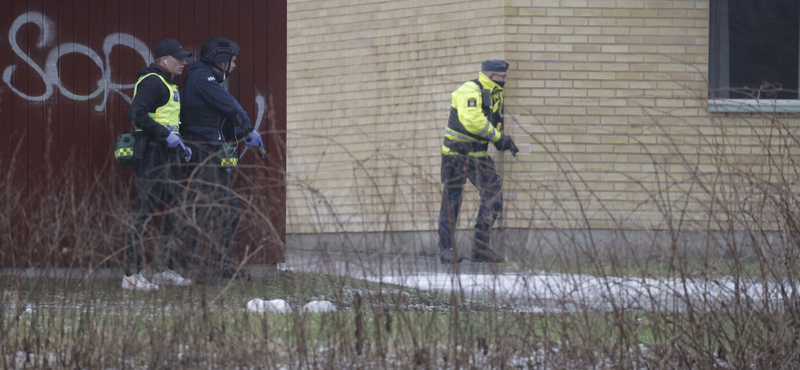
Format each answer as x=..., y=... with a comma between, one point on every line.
x=253, y=139
x=187, y=153
x=173, y=140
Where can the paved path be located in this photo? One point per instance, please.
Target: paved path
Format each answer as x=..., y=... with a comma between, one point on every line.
x=533, y=290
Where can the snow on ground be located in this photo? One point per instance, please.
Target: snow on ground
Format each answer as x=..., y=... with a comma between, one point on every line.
x=275, y=305
x=319, y=306
x=593, y=291
x=532, y=291
x=281, y=306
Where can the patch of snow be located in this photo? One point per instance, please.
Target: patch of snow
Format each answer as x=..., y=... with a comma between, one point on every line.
x=275, y=305
x=598, y=292
x=319, y=306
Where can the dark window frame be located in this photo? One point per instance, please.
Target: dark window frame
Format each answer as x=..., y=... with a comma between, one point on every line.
x=719, y=71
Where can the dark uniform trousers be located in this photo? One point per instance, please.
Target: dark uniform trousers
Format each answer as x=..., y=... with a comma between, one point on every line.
x=157, y=181
x=213, y=207
x=456, y=169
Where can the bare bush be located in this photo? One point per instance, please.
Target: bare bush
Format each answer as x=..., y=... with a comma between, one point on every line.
x=699, y=273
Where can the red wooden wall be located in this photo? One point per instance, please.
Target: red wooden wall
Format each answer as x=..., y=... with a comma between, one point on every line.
x=68, y=69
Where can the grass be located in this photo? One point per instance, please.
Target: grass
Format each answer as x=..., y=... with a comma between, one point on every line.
x=96, y=323
x=296, y=288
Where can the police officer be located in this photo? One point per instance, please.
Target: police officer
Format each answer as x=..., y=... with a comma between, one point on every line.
x=155, y=112
x=213, y=123
x=476, y=118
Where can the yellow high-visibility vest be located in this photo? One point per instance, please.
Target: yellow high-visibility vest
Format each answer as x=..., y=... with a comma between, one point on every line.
x=167, y=115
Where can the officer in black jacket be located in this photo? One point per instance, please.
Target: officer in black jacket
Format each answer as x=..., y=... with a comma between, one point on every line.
x=212, y=123
x=155, y=112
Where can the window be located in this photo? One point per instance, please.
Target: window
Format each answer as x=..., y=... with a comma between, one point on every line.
x=754, y=54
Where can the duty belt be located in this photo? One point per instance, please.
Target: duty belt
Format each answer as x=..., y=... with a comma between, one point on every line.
x=172, y=128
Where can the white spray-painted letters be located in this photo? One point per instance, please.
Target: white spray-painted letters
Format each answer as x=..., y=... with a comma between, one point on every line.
x=50, y=74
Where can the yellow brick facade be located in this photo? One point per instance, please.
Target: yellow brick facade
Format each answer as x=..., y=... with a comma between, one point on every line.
x=605, y=99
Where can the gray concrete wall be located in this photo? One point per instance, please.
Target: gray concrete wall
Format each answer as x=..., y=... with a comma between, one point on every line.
x=551, y=244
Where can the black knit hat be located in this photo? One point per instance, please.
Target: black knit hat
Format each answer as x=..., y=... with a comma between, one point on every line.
x=494, y=65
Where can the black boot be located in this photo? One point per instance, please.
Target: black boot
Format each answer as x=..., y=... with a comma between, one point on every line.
x=449, y=256
x=486, y=255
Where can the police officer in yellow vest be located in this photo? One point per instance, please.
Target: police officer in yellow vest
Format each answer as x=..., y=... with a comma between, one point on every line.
x=476, y=118
x=155, y=112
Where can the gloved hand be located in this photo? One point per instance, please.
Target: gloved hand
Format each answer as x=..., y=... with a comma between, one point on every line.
x=253, y=139
x=513, y=149
x=187, y=153
x=505, y=143
x=173, y=140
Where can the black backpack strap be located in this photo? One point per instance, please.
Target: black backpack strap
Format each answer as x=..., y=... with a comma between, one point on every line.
x=486, y=97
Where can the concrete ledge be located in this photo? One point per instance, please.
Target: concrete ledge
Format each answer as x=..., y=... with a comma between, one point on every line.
x=549, y=243
x=266, y=271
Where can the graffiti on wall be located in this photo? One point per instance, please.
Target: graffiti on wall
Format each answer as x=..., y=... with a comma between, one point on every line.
x=49, y=73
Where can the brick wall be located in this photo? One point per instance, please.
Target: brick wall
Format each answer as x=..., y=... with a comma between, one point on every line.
x=605, y=99
x=598, y=84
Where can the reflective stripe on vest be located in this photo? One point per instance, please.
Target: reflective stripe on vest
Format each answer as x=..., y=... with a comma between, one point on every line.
x=477, y=144
x=167, y=115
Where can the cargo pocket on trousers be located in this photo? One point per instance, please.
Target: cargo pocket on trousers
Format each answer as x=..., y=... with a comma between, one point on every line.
x=452, y=170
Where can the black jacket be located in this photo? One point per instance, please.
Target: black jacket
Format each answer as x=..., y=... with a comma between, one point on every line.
x=150, y=95
x=209, y=113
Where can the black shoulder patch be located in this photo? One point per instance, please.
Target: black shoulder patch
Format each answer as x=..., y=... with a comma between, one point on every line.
x=472, y=102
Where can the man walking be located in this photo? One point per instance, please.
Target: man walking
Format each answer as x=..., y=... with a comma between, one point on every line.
x=155, y=111
x=476, y=118
x=213, y=123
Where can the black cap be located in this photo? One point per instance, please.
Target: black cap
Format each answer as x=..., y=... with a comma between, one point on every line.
x=172, y=48
x=494, y=65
